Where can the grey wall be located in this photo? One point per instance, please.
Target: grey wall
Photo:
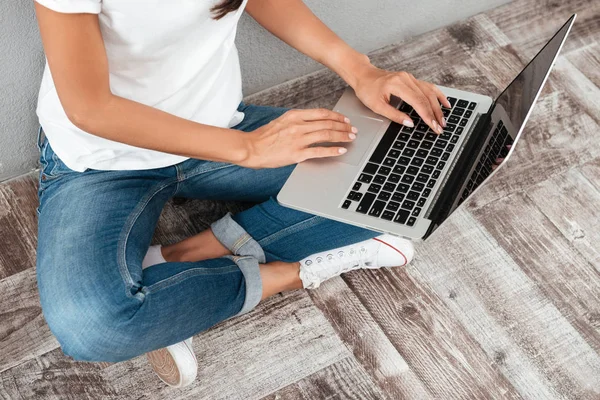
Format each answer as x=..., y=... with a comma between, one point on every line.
x=365, y=24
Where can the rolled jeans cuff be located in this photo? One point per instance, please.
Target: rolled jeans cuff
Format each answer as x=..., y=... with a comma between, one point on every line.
x=247, y=254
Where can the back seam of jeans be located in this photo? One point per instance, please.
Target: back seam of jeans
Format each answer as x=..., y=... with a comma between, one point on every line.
x=307, y=223
x=124, y=237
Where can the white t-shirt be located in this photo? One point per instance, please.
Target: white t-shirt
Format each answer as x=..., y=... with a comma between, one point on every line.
x=168, y=54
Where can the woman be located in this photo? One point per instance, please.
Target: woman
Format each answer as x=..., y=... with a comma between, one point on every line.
x=140, y=102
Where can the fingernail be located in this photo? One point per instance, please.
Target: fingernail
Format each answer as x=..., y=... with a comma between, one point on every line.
x=342, y=150
x=436, y=127
x=347, y=120
x=352, y=136
x=354, y=129
x=444, y=123
x=409, y=123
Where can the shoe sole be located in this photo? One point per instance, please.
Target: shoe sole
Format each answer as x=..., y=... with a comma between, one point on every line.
x=165, y=367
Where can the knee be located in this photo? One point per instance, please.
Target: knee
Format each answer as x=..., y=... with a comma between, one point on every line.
x=90, y=331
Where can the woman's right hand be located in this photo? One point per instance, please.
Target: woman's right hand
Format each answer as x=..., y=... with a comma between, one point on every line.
x=294, y=137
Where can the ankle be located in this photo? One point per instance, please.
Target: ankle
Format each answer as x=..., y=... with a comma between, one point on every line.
x=280, y=277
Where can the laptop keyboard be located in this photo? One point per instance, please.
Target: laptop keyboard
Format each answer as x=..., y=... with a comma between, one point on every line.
x=402, y=171
x=496, y=148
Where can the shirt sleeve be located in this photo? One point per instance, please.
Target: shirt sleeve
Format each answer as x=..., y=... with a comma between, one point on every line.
x=73, y=6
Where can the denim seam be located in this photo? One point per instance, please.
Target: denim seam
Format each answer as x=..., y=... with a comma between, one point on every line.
x=205, y=170
x=124, y=238
x=172, y=280
x=307, y=223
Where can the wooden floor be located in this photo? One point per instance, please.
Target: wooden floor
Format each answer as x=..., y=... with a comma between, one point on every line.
x=502, y=302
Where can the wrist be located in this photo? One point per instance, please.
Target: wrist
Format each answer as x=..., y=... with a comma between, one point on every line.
x=351, y=66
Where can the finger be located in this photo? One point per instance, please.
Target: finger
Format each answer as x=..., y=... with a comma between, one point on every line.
x=441, y=97
x=317, y=114
x=434, y=104
x=499, y=160
x=413, y=96
x=394, y=114
x=327, y=136
x=321, y=152
x=320, y=125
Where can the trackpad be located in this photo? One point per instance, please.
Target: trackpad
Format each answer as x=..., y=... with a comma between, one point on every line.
x=367, y=132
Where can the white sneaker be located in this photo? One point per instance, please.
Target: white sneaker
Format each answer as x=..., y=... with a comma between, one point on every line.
x=175, y=365
x=382, y=251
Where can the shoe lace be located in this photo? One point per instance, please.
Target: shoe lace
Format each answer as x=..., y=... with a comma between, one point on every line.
x=354, y=258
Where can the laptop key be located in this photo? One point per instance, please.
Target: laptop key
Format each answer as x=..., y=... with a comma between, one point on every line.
x=436, y=152
x=417, y=161
x=394, y=178
x=394, y=153
x=422, y=153
x=379, y=179
x=366, y=202
x=399, y=169
x=385, y=196
x=398, y=196
x=384, y=170
x=364, y=178
x=426, y=193
x=453, y=119
x=404, y=137
x=370, y=168
x=436, y=174
x=468, y=114
x=445, y=157
x=408, y=179
x=422, y=178
x=472, y=106
x=373, y=188
x=417, y=186
x=426, y=144
x=402, y=216
x=392, y=205
x=358, y=196
x=413, y=144
x=452, y=101
x=404, y=161
x=408, y=205
x=416, y=212
x=412, y=170
x=402, y=188
x=441, y=165
x=441, y=144
x=346, y=204
x=450, y=128
x=431, y=160
x=385, y=143
x=459, y=130
x=458, y=111
x=377, y=209
x=411, y=221
x=418, y=135
x=431, y=183
x=408, y=152
x=462, y=103
x=356, y=186
x=427, y=169
x=389, y=162
x=412, y=196
x=388, y=215
x=431, y=136
x=463, y=122
x=390, y=187
x=454, y=139
x=351, y=195
x=450, y=148
x=398, y=145
x=421, y=202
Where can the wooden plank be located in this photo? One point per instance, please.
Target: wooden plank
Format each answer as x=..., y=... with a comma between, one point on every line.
x=282, y=341
x=587, y=60
x=23, y=332
x=566, y=278
x=53, y=376
x=530, y=24
x=18, y=224
x=584, y=92
x=365, y=338
x=523, y=334
x=574, y=210
x=478, y=34
x=343, y=380
x=437, y=348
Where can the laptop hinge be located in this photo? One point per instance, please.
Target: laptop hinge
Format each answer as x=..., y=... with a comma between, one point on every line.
x=451, y=189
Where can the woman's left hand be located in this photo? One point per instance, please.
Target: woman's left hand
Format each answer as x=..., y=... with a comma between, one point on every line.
x=375, y=86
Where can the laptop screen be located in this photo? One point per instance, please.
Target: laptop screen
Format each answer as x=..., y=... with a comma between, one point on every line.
x=518, y=98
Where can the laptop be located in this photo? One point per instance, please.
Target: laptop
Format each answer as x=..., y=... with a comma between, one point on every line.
x=408, y=181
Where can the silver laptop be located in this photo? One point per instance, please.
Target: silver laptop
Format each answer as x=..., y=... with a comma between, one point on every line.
x=407, y=181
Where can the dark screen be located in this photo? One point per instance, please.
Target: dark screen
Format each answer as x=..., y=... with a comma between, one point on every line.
x=519, y=96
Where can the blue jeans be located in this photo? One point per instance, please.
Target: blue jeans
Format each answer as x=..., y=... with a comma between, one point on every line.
x=95, y=228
